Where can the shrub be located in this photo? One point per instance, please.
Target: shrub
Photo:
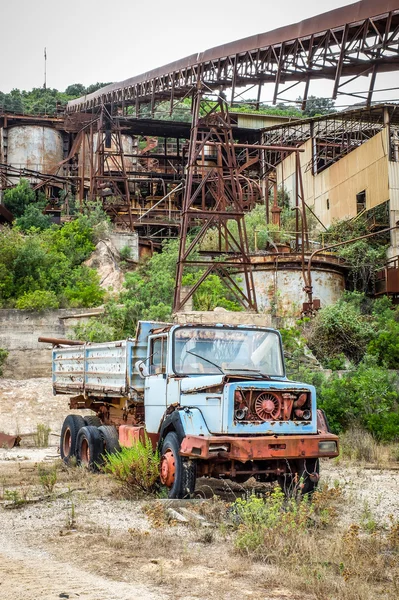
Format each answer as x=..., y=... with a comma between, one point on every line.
x=125, y=252
x=136, y=468
x=366, y=396
x=340, y=329
x=38, y=300
x=94, y=331
x=274, y=529
x=33, y=217
x=18, y=198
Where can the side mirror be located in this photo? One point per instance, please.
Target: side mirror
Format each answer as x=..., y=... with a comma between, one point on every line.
x=141, y=369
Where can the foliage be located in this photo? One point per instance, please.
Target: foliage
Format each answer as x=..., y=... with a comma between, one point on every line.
x=43, y=269
x=38, y=300
x=44, y=100
x=34, y=218
x=318, y=106
x=340, y=329
x=135, y=468
x=47, y=477
x=3, y=358
x=271, y=528
x=94, y=331
x=363, y=257
x=367, y=396
x=18, y=198
x=125, y=252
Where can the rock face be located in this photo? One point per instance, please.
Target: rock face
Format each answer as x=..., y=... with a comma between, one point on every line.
x=105, y=260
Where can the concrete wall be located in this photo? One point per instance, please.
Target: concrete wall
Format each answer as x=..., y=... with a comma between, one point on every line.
x=130, y=239
x=19, y=331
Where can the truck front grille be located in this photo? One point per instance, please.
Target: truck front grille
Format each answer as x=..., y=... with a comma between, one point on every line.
x=251, y=405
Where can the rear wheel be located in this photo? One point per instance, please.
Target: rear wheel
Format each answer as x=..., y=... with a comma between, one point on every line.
x=110, y=438
x=93, y=420
x=177, y=475
x=69, y=435
x=89, y=447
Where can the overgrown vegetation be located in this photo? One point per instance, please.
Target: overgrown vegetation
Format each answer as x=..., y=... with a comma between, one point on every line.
x=41, y=266
x=148, y=294
x=135, y=468
x=359, y=335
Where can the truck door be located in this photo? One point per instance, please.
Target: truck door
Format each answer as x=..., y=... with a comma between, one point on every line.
x=155, y=384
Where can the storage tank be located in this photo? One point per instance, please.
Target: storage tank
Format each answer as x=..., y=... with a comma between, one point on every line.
x=34, y=147
x=279, y=283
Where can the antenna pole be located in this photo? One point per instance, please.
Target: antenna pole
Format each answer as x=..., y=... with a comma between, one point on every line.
x=45, y=70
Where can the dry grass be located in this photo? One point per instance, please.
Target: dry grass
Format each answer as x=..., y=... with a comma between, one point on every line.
x=358, y=445
x=307, y=555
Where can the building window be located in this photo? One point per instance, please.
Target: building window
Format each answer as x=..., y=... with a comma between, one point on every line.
x=361, y=201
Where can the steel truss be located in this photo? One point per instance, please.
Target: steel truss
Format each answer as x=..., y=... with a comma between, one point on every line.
x=334, y=135
x=361, y=39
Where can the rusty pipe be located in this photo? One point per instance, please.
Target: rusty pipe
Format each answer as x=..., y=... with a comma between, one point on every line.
x=308, y=282
x=58, y=342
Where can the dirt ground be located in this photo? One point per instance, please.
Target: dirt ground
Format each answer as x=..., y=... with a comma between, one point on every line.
x=83, y=540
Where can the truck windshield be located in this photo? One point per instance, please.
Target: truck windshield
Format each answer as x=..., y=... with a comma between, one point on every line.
x=211, y=350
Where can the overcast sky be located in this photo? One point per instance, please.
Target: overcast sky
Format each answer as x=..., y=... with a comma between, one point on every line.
x=100, y=40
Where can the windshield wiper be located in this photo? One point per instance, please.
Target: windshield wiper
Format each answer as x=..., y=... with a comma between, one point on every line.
x=239, y=370
x=206, y=360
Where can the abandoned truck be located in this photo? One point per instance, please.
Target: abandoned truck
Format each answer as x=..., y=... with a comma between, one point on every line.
x=214, y=400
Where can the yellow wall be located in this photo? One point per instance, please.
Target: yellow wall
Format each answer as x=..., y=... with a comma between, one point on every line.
x=365, y=168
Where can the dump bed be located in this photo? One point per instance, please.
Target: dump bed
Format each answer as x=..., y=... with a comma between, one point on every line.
x=105, y=369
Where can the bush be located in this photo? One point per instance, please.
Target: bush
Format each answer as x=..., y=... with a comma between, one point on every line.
x=274, y=529
x=136, y=468
x=3, y=358
x=18, y=198
x=125, y=252
x=366, y=396
x=38, y=300
x=33, y=217
x=340, y=329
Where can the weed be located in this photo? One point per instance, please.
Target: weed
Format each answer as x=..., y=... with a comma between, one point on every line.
x=367, y=519
x=71, y=512
x=47, y=477
x=14, y=498
x=136, y=468
x=41, y=436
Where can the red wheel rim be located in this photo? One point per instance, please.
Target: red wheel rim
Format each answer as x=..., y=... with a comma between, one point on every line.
x=85, y=452
x=168, y=468
x=67, y=442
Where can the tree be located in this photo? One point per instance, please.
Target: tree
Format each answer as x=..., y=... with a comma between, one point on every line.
x=318, y=106
x=76, y=90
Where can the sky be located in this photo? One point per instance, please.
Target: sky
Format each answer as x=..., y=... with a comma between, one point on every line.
x=100, y=40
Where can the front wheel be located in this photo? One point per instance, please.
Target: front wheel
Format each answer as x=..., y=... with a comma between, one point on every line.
x=176, y=474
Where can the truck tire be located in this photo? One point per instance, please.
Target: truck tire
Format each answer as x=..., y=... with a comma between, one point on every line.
x=69, y=434
x=303, y=477
x=110, y=438
x=175, y=474
x=89, y=447
x=93, y=420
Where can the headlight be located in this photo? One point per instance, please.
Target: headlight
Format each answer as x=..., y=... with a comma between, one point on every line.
x=327, y=446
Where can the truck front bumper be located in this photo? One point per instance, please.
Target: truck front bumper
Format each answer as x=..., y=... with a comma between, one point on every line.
x=258, y=448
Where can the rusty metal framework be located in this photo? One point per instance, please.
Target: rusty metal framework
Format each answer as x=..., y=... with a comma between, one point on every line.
x=335, y=135
x=213, y=198
x=361, y=39
x=215, y=202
